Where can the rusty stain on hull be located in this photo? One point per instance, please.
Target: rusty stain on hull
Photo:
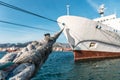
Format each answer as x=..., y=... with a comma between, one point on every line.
x=82, y=55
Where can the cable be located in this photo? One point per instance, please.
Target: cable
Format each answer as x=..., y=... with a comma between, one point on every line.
x=25, y=11
x=24, y=25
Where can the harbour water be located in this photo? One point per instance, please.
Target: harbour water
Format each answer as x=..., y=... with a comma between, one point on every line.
x=61, y=66
x=2, y=53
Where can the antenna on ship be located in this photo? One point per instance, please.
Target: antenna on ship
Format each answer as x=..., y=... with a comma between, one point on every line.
x=101, y=10
x=68, y=9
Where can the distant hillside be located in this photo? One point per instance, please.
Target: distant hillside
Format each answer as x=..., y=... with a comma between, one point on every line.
x=14, y=44
x=64, y=45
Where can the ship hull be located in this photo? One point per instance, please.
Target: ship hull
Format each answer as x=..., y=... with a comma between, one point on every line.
x=94, y=55
x=90, y=39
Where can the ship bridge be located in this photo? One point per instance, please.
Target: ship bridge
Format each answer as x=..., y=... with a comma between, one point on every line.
x=106, y=18
x=110, y=20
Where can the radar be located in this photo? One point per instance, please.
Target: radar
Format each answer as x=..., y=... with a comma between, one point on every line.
x=101, y=10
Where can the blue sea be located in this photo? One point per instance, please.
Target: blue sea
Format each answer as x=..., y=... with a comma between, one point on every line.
x=61, y=66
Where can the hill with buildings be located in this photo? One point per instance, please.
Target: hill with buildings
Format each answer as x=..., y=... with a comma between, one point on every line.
x=17, y=46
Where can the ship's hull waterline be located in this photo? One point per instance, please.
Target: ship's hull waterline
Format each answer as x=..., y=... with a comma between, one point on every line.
x=90, y=39
x=81, y=55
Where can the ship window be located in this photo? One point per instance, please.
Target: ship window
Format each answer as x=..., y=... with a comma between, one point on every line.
x=115, y=30
x=92, y=44
x=98, y=27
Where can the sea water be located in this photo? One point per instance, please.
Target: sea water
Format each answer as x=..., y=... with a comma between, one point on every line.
x=61, y=66
x=2, y=53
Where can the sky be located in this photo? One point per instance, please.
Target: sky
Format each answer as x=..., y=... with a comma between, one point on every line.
x=48, y=8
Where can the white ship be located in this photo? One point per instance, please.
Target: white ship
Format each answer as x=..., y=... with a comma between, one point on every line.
x=92, y=39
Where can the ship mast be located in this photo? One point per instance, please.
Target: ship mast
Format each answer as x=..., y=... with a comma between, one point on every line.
x=68, y=9
x=101, y=10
